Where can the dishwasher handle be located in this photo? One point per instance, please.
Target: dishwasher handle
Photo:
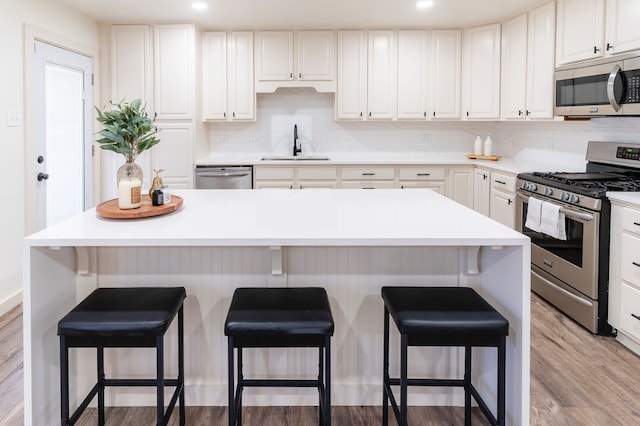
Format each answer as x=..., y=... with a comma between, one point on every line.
x=223, y=174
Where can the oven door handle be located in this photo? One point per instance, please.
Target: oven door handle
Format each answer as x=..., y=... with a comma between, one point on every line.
x=576, y=215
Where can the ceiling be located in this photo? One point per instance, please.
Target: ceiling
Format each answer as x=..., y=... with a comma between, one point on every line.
x=305, y=14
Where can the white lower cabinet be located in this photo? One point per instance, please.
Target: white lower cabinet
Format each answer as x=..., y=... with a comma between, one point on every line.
x=624, y=274
x=294, y=177
x=502, y=207
x=481, y=191
x=460, y=185
x=431, y=177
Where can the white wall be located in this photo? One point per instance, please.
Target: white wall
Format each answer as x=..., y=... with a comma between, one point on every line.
x=55, y=18
x=314, y=114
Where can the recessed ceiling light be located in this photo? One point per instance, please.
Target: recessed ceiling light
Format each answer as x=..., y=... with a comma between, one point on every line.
x=199, y=5
x=424, y=4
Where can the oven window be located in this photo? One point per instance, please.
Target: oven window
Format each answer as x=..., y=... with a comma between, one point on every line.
x=570, y=250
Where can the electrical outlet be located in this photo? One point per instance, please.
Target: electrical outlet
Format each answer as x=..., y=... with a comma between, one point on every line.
x=223, y=139
x=426, y=137
x=14, y=118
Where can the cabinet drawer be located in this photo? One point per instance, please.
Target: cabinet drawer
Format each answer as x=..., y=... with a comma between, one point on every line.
x=367, y=185
x=503, y=182
x=629, y=306
x=368, y=173
x=631, y=220
x=273, y=173
x=631, y=259
x=419, y=173
x=313, y=173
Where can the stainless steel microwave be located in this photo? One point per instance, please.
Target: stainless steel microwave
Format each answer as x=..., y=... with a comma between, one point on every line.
x=608, y=86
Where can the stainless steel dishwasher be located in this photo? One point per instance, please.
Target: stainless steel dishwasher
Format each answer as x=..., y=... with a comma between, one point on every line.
x=227, y=177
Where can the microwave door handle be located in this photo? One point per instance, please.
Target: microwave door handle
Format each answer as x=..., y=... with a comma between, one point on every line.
x=613, y=76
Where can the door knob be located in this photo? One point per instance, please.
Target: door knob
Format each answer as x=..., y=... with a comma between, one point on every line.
x=42, y=176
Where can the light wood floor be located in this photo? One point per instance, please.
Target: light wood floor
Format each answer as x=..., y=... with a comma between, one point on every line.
x=576, y=379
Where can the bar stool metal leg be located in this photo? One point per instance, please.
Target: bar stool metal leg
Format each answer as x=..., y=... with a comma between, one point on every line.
x=101, y=385
x=327, y=381
x=181, y=365
x=160, y=380
x=502, y=349
x=321, y=389
x=404, y=339
x=231, y=373
x=385, y=370
x=467, y=385
x=240, y=387
x=64, y=381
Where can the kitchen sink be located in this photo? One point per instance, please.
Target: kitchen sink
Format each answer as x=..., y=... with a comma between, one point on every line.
x=295, y=158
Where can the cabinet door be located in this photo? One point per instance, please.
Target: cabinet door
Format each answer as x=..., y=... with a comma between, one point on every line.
x=241, y=93
x=481, y=191
x=514, y=68
x=460, y=186
x=580, y=31
x=174, y=154
x=623, y=31
x=445, y=73
x=352, y=75
x=541, y=60
x=274, y=56
x=481, y=87
x=381, y=71
x=173, y=71
x=214, y=78
x=412, y=74
x=503, y=208
x=315, y=55
x=131, y=64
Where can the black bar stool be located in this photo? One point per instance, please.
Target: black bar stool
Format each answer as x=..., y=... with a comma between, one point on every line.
x=442, y=316
x=280, y=318
x=123, y=317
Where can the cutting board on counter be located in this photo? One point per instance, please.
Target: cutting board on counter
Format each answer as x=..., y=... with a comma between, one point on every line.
x=110, y=209
x=484, y=157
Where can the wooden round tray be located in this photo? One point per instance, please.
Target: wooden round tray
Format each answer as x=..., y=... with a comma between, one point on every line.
x=110, y=209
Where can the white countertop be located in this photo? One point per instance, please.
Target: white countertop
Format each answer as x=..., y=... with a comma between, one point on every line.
x=528, y=160
x=291, y=218
x=625, y=197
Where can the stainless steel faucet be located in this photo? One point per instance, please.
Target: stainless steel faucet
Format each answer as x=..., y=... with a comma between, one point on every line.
x=296, y=148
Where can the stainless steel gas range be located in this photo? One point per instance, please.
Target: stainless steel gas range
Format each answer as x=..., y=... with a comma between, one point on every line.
x=571, y=271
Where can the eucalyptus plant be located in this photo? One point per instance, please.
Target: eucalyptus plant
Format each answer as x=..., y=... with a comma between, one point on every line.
x=128, y=129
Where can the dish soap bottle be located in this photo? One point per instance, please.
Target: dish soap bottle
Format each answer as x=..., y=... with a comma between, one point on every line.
x=488, y=146
x=477, y=146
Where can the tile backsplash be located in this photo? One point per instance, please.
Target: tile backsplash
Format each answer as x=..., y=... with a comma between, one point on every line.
x=319, y=133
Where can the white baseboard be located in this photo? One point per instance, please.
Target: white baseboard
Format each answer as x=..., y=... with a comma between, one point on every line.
x=10, y=302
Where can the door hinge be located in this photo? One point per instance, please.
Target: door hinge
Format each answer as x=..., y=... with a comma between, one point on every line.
x=92, y=79
x=93, y=150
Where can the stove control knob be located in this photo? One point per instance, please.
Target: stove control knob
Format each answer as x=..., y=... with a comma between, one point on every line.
x=564, y=196
x=524, y=185
x=533, y=187
x=574, y=199
x=548, y=192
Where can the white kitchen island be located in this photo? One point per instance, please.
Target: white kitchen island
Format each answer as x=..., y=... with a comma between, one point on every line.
x=351, y=242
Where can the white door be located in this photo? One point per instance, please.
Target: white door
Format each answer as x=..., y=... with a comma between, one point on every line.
x=64, y=133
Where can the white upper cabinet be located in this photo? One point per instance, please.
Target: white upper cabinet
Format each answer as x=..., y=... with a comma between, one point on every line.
x=131, y=64
x=381, y=72
x=481, y=72
x=295, y=59
x=274, y=56
x=173, y=70
x=445, y=73
x=412, y=74
x=367, y=75
x=528, y=62
x=541, y=61
x=622, y=29
x=315, y=57
x=228, y=92
x=580, y=31
x=351, y=94
x=514, y=68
